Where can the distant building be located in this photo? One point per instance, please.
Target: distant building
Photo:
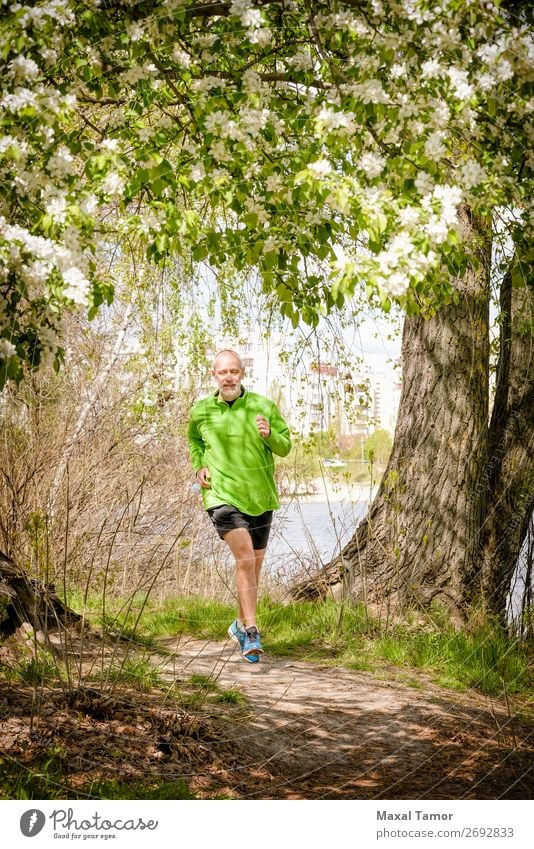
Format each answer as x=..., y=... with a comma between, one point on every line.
x=318, y=396
x=386, y=396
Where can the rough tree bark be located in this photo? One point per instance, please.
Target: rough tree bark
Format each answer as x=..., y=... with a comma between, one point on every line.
x=448, y=520
x=25, y=600
x=509, y=475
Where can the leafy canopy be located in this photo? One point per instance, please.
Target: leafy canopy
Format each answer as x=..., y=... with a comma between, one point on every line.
x=327, y=144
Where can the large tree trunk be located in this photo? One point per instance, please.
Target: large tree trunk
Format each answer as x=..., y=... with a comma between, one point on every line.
x=455, y=502
x=510, y=470
x=419, y=541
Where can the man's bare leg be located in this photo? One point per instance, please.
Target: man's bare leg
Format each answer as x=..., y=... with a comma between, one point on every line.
x=248, y=566
x=259, y=555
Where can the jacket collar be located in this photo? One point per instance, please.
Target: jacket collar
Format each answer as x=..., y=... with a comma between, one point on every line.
x=240, y=397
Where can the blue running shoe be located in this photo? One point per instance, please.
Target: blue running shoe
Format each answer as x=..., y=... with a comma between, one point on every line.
x=239, y=635
x=252, y=644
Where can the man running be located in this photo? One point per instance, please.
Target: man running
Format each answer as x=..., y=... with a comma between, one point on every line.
x=233, y=435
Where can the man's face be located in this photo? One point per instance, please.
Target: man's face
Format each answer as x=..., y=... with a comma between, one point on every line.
x=228, y=375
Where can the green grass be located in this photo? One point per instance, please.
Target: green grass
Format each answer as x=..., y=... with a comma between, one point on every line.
x=137, y=672
x=200, y=691
x=204, y=618
x=43, y=780
x=46, y=779
x=484, y=657
x=113, y=789
x=38, y=670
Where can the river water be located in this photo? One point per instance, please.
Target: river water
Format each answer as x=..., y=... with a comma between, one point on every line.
x=308, y=532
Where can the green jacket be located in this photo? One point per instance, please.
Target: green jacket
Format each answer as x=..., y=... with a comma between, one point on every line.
x=226, y=440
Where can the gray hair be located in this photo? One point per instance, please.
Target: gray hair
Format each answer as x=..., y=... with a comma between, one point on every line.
x=228, y=351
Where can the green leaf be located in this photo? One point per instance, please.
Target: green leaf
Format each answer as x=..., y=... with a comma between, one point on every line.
x=200, y=252
x=162, y=242
x=284, y=293
x=521, y=274
x=269, y=259
x=251, y=220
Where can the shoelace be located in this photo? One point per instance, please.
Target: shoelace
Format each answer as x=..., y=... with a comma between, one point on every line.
x=253, y=634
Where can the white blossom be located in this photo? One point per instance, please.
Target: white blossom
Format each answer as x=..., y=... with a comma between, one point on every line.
x=398, y=70
x=460, y=83
x=215, y=120
x=261, y=36
x=486, y=82
x=437, y=229
x=408, y=216
x=113, y=184
x=7, y=349
x=424, y=183
x=434, y=147
x=219, y=152
x=197, y=172
x=181, y=57
x=49, y=55
x=334, y=119
x=6, y=142
x=254, y=120
x=370, y=91
x=23, y=68
x=138, y=72
x=408, y=106
x=19, y=99
x=321, y=167
x=450, y=198
x=55, y=9
x=396, y=284
x=78, y=286
x=145, y=133
x=253, y=206
x=109, y=144
x=61, y=163
x=274, y=183
x=149, y=221
x=472, y=174
x=503, y=70
x=245, y=11
x=89, y=204
x=56, y=207
x=372, y=164
x=441, y=113
x=489, y=53
x=252, y=81
x=270, y=244
x=135, y=32
x=432, y=69
x=208, y=83
x=35, y=273
x=232, y=130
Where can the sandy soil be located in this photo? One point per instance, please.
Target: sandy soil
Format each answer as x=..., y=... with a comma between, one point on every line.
x=330, y=489
x=330, y=733
x=304, y=731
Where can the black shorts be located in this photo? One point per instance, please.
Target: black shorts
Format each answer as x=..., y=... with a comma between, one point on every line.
x=226, y=518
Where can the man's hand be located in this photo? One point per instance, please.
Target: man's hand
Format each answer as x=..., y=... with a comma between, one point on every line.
x=203, y=477
x=263, y=425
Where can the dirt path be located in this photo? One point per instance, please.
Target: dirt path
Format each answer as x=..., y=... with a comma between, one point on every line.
x=322, y=732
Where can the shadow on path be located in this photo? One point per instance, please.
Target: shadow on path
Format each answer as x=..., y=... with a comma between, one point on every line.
x=322, y=732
